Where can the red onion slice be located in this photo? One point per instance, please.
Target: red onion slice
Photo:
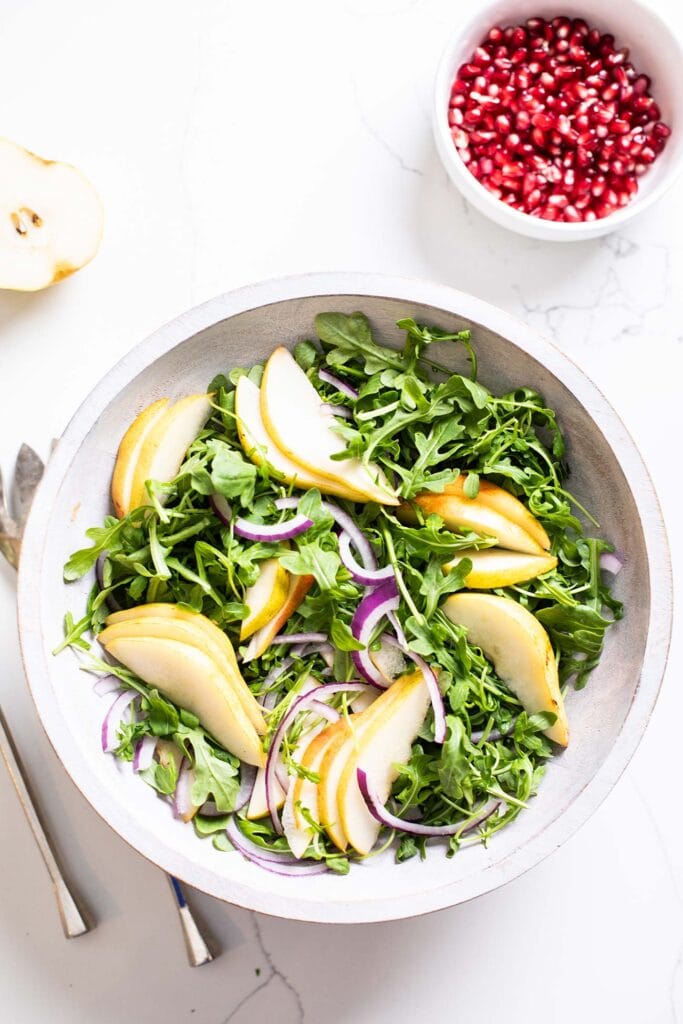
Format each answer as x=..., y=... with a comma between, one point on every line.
x=338, y=383
x=360, y=542
x=338, y=410
x=274, y=532
x=110, y=601
x=113, y=718
x=369, y=613
x=221, y=507
x=247, y=780
x=106, y=684
x=611, y=563
x=277, y=863
x=299, y=638
x=183, y=805
x=144, y=753
x=366, y=577
x=415, y=828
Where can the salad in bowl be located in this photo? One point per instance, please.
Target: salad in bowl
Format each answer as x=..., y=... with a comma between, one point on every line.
x=341, y=599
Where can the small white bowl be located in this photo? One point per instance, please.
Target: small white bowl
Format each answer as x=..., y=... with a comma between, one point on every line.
x=655, y=51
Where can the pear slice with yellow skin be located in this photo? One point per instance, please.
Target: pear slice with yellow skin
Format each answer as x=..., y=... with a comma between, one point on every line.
x=265, y=598
x=258, y=805
x=51, y=219
x=260, y=641
x=259, y=446
x=471, y=514
x=347, y=738
x=187, y=633
x=520, y=649
x=166, y=444
x=381, y=745
x=215, y=637
x=496, y=567
x=506, y=504
x=302, y=428
x=129, y=452
x=190, y=679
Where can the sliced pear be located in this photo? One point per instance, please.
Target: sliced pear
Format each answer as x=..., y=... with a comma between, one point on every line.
x=129, y=452
x=507, y=504
x=265, y=598
x=165, y=628
x=206, y=635
x=167, y=443
x=258, y=805
x=384, y=743
x=471, y=514
x=496, y=567
x=260, y=447
x=189, y=678
x=520, y=649
x=303, y=793
x=50, y=219
x=348, y=737
x=260, y=641
x=299, y=425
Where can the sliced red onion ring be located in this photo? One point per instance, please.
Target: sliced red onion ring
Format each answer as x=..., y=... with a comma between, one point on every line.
x=300, y=638
x=106, y=684
x=113, y=718
x=415, y=828
x=247, y=780
x=312, y=700
x=432, y=686
x=338, y=383
x=369, y=613
x=275, y=532
x=144, y=753
x=266, y=697
x=110, y=601
x=360, y=542
x=182, y=798
x=338, y=410
x=611, y=563
x=398, y=628
x=221, y=507
x=366, y=577
x=326, y=652
x=277, y=863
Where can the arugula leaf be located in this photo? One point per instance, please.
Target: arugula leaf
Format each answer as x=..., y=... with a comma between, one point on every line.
x=312, y=560
x=350, y=337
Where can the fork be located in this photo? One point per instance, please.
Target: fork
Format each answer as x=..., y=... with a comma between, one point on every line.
x=27, y=475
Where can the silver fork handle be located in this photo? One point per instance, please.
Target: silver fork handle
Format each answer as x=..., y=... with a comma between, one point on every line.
x=72, y=919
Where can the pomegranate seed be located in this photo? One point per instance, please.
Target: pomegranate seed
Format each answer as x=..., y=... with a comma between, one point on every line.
x=571, y=214
x=641, y=85
x=620, y=126
x=661, y=130
x=503, y=123
x=481, y=56
x=495, y=34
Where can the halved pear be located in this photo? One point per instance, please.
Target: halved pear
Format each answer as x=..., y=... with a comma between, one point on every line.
x=129, y=452
x=265, y=598
x=496, y=567
x=384, y=743
x=302, y=428
x=471, y=514
x=167, y=443
x=507, y=504
x=189, y=678
x=520, y=649
x=204, y=634
x=260, y=641
x=259, y=446
x=50, y=219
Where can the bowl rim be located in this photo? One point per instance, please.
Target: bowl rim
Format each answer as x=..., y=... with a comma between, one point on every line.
x=504, y=215
x=410, y=291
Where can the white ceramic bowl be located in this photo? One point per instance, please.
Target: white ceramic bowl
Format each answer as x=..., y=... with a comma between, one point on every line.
x=655, y=51
x=607, y=718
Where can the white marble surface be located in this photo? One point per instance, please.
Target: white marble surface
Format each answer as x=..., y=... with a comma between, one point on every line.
x=232, y=142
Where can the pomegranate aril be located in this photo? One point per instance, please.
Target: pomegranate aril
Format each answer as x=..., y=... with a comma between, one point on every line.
x=641, y=85
x=661, y=130
x=571, y=214
x=495, y=34
x=481, y=56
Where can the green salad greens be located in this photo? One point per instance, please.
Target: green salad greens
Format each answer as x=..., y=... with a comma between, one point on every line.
x=423, y=426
